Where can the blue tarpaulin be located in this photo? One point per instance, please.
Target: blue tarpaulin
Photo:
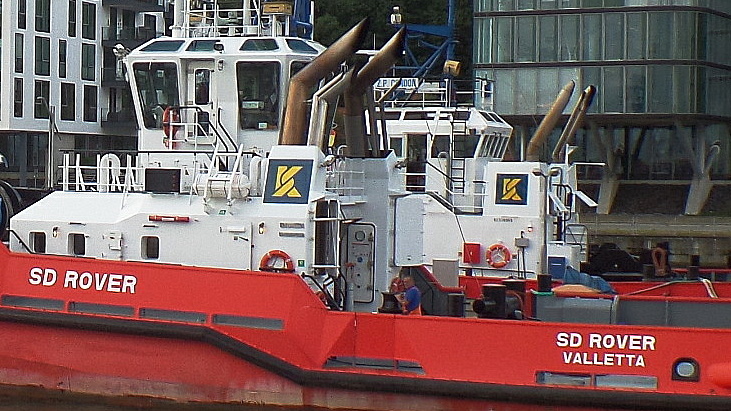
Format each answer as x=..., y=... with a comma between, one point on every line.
x=573, y=276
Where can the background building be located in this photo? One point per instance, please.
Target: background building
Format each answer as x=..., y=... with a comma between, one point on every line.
x=60, y=76
x=660, y=119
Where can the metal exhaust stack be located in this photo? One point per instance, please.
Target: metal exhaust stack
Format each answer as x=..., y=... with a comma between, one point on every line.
x=575, y=121
x=353, y=118
x=549, y=122
x=294, y=122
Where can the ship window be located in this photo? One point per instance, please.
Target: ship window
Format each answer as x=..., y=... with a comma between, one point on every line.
x=259, y=45
x=38, y=241
x=440, y=147
x=258, y=90
x=202, y=45
x=202, y=86
x=150, y=247
x=487, y=116
x=164, y=45
x=397, y=144
x=296, y=67
x=77, y=244
x=300, y=46
x=157, y=85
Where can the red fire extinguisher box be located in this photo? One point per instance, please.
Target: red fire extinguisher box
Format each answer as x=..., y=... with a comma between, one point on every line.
x=471, y=253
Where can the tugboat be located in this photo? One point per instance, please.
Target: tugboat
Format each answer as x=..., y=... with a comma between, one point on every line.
x=239, y=258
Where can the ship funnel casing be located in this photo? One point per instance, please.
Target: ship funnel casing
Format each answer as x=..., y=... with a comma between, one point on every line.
x=294, y=129
x=549, y=122
x=375, y=68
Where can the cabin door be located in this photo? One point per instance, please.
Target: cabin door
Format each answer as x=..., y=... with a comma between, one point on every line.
x=360, y=265
x=415, y=162
x=202, y=108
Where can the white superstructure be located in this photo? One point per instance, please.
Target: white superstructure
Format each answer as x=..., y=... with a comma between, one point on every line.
x=226, y=177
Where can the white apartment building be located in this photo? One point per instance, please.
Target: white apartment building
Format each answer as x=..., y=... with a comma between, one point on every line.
x=59, y=76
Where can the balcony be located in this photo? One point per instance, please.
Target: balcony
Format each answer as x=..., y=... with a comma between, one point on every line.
x=122, y=121
x=111, y=78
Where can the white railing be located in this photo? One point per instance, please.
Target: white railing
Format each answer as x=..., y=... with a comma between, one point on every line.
x=209, y=19
x=346, y=180
x=413, y=92
x=107, y=175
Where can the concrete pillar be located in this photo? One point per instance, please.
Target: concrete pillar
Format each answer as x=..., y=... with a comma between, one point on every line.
x=610, y=181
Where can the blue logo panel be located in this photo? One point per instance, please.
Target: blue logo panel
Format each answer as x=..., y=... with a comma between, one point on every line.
x=512, y=189
x=288, y=181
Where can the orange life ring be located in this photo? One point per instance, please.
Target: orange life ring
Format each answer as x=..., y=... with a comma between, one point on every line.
x=267, y=262
x=170, y=117
x=498, y=255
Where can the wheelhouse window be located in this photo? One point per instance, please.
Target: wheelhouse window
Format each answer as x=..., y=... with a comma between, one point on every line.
x=38, y=241
x=157, y=85
x=258, y=90
x=300, y=46
x=150, y=247
x=296, y=67
x=77, y=244
x=259, y=45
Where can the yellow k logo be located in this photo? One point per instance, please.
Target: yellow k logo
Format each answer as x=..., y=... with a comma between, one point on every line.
x=510, y=189
x=284, y=185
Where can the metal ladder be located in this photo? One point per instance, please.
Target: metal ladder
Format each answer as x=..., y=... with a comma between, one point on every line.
x=330, y=276
x=457, y=158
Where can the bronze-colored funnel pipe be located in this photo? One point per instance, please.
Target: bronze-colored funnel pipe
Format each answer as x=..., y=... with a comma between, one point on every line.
x=294, y=122
x=549, y=122
x=379, y=64
x=575, y=121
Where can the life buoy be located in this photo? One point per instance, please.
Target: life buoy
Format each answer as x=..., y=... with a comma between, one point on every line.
x=170, y=117
x=498, y=255
x=269, y=260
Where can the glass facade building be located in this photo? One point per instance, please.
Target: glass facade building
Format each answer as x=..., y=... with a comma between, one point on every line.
x=662, y=69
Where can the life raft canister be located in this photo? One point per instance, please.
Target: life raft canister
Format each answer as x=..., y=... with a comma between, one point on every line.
x=498, y=255
x=170, y=117
x=267, y=262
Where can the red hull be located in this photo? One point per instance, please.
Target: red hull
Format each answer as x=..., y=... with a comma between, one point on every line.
x=207, y=335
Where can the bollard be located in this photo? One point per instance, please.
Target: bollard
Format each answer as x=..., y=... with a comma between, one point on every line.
x=648, y=271
x=544, y=283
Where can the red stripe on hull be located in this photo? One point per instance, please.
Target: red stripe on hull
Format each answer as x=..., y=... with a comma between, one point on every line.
x=137, y=370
